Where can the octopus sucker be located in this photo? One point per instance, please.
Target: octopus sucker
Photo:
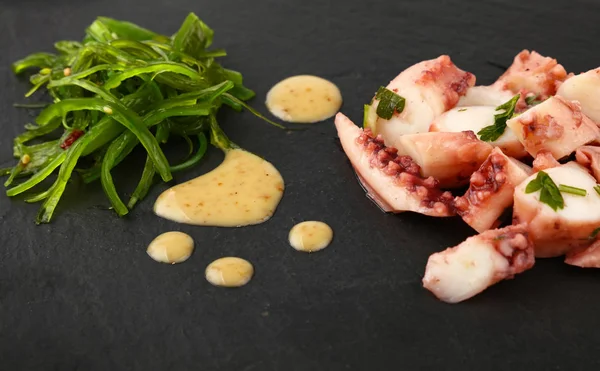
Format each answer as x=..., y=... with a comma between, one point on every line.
x=398, y=187
x=461, y=272
x=491, y=190
x=450, y=158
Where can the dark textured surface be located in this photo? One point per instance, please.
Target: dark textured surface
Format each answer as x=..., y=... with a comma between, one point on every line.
x=81, y=294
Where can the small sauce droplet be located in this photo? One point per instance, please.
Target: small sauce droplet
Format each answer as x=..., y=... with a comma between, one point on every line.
x=310, y=236
x=171, y=247
x=244, y=190
x=304, y=99
x=229, y=272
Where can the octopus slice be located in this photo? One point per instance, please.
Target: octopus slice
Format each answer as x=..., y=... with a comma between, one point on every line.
x=430, y=88
x=461, y=272
x=587, y=257
x=491, y=190
x=556, y=232
x=450, y=158
x=485, y=96
x=544, y=160
x=584, y=88
x=393, y=181
x=533, y=73
x=589, y=156
x=555, y=125
x=475, y=118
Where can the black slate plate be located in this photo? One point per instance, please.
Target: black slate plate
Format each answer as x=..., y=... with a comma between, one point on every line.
x=81, y=294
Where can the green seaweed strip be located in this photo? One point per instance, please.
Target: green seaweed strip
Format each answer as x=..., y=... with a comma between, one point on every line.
x=218, y=138
x=202, y=146
x=54, y=194
x=14, y=173
x=121, y=114
x=141, y=190
x=144, y=49
x=38, y=132
x=155, y=68
x=37, y=177
x=87, y=85
x=151, y=119
x=116, y=147
x=39, y=60
x=86, y=73
x=235, y=100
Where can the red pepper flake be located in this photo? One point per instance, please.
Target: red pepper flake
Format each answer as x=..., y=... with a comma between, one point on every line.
x=71, y=138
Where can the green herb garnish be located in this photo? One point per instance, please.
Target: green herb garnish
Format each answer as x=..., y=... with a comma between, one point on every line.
x=533, y=100
x=493, y=132
x=549, y=192
x=594, y=234
x=462, y=110
x=572, y=190
x=389, y=102
x=123, y=86
x=597, y=189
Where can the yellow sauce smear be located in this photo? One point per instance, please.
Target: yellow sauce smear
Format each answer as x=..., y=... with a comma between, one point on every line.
x=171, y=247
x=229, y=272
x=310, y=236
x=243, y=190
x=304, y=99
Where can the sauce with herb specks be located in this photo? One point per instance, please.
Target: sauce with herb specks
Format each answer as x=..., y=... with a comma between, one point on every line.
x=244, y=190
x=171, y=247
x=229, y=272
x=310, y=236
x=304, y=99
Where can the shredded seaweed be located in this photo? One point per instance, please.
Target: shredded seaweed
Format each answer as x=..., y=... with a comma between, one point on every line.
x=122, y=86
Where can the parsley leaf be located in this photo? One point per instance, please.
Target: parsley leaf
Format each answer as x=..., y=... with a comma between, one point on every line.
x=549, y=193
x=388, y=103
x=493, y=132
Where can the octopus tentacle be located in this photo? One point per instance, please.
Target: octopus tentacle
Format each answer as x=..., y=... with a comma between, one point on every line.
x=584, y=88
x=585, y=257
x=544, y=160
x=461, y=272
x=491, y=191
x=450, y=158
x=531, y=72
x=475, y=118
x=392, y=180
x=430, y=88
x=556, y=232
x=555, y=125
